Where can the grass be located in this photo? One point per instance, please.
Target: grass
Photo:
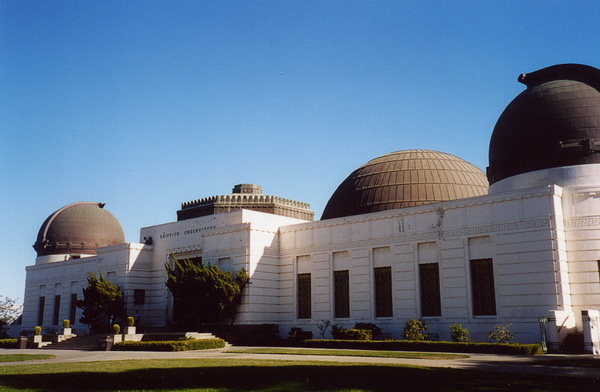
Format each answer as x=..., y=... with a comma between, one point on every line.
x=24, y=357
x=572, y=362
x=268, y=375
x=350, y=353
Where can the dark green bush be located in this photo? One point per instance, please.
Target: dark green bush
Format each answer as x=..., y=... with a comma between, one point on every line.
x=297, y=335
x=501, y=333
x=415, y=330
x=341, y=333
x=8, y=343
x=355, y=334
x=458, y=333
x=335, y=331
x=180, y=345
x=375, y=330
x=427, y=346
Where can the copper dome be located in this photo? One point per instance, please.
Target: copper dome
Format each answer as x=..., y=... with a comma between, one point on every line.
x=554, y=122
x=78, y=228
x=405, y=179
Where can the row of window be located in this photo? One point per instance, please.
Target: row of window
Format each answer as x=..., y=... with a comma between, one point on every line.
x=482, y=291
x=56, y=309
x=139, y=298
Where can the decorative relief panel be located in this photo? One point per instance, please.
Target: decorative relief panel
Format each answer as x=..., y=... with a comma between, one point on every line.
x=583, y=222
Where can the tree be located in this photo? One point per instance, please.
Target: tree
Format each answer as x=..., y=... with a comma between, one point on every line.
x=102, y=303
x=204, y=294
x=9, y=311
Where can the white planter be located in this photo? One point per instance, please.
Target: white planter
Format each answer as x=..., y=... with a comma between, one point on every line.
x=37, y=338
x=67, y=331
x=130, y=330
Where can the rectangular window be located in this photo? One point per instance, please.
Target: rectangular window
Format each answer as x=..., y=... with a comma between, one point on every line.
x=429, y=278
x=482, y=287
x=41, y=306
x=383, y=292
x=139, y=297
x=73, y=308
x=341, y=290
x=56, y=310
x=304, y=296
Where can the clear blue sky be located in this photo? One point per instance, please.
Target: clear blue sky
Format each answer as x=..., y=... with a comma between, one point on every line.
x=147, y=104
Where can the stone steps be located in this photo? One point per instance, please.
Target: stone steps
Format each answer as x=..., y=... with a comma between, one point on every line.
x=89, y=342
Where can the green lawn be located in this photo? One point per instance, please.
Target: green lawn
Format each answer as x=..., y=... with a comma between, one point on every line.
x=23, y=357
x=351, y=353
x=268, y=375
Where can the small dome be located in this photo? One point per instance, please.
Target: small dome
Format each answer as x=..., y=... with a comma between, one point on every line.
x=405, y=179
x=555, y=122
x=78, y=228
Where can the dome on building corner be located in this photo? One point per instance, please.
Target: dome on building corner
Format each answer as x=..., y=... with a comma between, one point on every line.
x=78, y=228
x=405, y=179
x=555, y=122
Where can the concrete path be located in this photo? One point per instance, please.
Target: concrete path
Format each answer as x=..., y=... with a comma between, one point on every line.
x=498, y=363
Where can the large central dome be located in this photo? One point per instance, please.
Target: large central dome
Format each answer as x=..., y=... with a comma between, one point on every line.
x=405, y=179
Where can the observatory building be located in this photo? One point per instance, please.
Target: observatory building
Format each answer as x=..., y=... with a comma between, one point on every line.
x=411, y=234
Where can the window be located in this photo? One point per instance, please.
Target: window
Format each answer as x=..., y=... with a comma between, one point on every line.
x=429, y=275
x=73, y=308
x=341, y=294
x=41, y=306
x=383, y=292
x=304, y=296
x=139, y=297
x=56, y=310
x=482, y=286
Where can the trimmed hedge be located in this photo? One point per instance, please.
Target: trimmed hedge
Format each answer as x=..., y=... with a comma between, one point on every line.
x=170, y=345
x=8, y=343
x=428, y=346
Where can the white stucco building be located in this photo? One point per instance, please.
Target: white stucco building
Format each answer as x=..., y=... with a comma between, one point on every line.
x=411, y=234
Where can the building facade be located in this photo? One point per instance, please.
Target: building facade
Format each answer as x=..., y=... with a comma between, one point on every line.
x=411, y=234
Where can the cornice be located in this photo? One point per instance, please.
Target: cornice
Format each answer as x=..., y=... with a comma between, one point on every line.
x=417, y=237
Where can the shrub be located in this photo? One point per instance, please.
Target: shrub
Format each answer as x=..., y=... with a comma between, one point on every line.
x=335, y=331
x=37, y=330
x=501, y=333
x=404, y=345
x=116, y=329
x=458, y=333
x=415, y=330
x=180, y=345
x=66, y=324
x=298, y=335
x=323, y=327
x=8, y=343
x=375, y=330
x=356, y=334
x=130, y=321
x=341, y=333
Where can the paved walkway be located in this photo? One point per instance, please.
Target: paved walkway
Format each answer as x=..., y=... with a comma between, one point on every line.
x=500, y=363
